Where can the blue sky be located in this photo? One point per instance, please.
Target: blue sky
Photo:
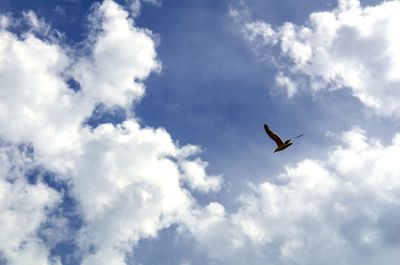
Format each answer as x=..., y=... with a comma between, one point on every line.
x=132, y=132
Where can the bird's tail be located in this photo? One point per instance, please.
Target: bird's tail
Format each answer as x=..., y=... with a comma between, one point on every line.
x=298, y=136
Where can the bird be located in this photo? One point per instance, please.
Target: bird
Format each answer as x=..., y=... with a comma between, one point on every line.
x=280, y=144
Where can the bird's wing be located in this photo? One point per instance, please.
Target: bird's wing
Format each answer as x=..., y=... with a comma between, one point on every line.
x=273, y=135
x=297, y=136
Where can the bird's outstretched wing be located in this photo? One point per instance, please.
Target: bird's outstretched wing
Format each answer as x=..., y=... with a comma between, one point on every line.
x=297, y=136
x=273, y=135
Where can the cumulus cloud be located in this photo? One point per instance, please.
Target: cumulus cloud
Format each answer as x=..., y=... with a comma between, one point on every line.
x=138, y=188
x=127, y=179
x=194, y=173
x=23, y=208
x=350, y=47
x=121, y=56
x=340, y=210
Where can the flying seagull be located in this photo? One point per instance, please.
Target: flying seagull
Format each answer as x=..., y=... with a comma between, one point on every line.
x=280, y=144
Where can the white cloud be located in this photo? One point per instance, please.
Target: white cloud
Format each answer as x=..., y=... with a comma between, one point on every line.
x=4, y=22
x=127, y=179
x=253, y=31
x=122, y=55
x=35, y=23
x=128, y=188
x=136, y=5
x=194, y=173
x=340, y=210
x=23, y=208
x=350, y=47
x=287, y=83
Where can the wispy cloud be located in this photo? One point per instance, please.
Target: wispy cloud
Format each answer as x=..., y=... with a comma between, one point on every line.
x=350, y=47
x=287, y=83
x=136, y=5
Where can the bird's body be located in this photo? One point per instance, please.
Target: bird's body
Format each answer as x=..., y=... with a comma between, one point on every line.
x=275, y=137
x=282, y=147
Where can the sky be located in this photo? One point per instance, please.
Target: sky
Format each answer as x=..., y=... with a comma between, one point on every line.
x=131, y=132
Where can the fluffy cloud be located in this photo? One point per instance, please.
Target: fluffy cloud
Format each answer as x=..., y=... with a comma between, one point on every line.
x=121, y=56
x=194, y=173
x=126, y=179
x=128, y=182
x=23, y=207
x=341, y=210
x=350, y=47
x=34, y=98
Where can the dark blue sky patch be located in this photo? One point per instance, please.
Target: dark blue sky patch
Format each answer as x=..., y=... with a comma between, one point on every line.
x=203, y=198
x=73, y=84
x=67, y=211
x=221, y=90
x=215, y=92
x=19, y=27
x=103, y=114
x=167, y=249
x=68, y=17
x=26, y=149
x=33, y=175
x=68, y=252
x=52, y=179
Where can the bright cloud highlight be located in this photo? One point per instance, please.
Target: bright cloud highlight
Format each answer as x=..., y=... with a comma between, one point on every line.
x=127, y=180
x=349, y=47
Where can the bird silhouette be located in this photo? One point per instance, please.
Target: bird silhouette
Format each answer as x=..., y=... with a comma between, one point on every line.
x=280, y=144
